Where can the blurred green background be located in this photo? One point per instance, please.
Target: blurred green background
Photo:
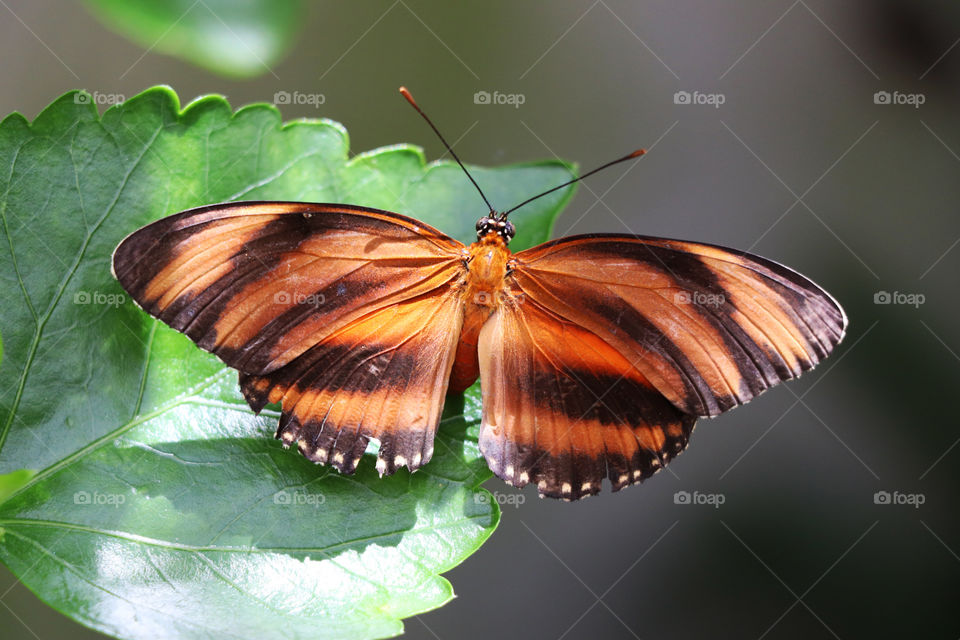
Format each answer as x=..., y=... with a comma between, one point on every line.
x=817, y=156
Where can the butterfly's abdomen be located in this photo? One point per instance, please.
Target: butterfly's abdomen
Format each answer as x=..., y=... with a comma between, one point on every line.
x=482, y=291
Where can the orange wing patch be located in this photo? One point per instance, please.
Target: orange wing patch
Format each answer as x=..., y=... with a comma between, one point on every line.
x=563, y=409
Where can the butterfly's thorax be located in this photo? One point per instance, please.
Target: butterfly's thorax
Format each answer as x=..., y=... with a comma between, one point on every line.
x=483, y=288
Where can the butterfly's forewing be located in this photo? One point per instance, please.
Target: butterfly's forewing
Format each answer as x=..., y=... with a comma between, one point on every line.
x=321, y=307
x=709, y=327
x=608, y=347
x=563, y=409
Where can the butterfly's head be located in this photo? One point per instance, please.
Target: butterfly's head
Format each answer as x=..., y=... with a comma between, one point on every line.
x=493, y=224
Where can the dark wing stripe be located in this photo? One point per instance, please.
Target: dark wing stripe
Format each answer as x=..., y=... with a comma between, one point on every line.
x=270, y=337
x=651, y=350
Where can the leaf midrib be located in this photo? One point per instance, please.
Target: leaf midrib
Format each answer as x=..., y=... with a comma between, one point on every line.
x=173, y=546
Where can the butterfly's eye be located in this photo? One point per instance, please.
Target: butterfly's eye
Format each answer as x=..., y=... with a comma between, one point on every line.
x=483, y=224
x=509, y=230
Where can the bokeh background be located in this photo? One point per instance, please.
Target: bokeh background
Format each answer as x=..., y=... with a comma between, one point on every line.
x=802, y=161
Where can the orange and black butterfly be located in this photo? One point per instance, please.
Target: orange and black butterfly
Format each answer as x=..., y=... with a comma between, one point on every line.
x=596, y=353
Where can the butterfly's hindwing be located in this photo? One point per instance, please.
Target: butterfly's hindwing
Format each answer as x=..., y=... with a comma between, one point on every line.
x=383, y=376
x=563, y=409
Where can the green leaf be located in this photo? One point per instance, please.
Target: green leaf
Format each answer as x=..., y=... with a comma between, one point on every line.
x=12, y=482
x=160, y=505
x=241, y=39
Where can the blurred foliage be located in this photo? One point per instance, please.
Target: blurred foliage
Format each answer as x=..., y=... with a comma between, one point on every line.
x=241, y=39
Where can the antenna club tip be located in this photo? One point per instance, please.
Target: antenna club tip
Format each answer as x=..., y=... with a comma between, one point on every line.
x=638, y=153
x=406, y=94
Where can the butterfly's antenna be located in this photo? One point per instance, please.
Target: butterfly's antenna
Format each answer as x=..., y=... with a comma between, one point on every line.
x=635, y=154
x=406, y=94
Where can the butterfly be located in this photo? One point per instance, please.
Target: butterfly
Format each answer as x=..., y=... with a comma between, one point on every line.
x=596, y=353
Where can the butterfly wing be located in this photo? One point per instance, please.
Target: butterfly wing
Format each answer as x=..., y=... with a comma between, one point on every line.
x=709, y=327
x=563, y=409
x=335, y=311
x=606, y=349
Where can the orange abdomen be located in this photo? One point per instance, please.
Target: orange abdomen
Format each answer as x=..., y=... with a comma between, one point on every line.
x=487, y=267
